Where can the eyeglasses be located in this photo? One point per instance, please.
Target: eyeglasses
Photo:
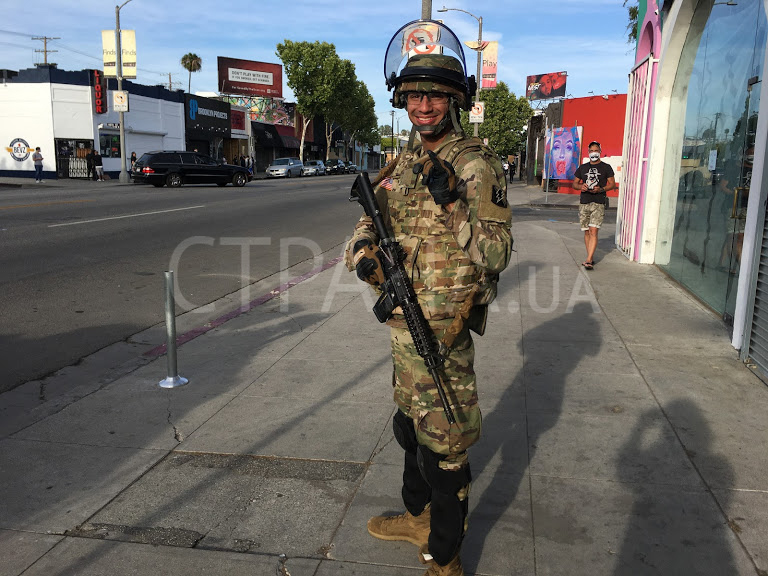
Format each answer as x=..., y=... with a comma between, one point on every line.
x=433, y=97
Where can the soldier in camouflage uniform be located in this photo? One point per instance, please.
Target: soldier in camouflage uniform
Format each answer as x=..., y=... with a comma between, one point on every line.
x=444, y=200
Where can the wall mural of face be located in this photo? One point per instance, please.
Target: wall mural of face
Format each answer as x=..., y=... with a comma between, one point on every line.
x=564, y=154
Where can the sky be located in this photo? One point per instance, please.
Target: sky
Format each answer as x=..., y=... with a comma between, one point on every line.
x=587, y=39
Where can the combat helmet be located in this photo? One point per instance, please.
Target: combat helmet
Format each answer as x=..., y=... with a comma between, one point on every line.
x=426, y=56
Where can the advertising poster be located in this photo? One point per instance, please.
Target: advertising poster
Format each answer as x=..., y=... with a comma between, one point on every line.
x=562, y=152
x=546, y=86
x=250, y=78
x=490, y=59
x=109, y=53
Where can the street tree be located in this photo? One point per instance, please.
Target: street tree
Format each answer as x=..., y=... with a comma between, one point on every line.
x=334, y=110
x=313, y=72
x=191, y=63
x=504, y=119
x=632, y=11
x=355, y=113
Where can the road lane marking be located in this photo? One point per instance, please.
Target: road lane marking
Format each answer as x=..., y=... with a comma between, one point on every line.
x=45, y=204
x=126, y=216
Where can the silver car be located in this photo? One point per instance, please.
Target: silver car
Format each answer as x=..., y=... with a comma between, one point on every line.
x=284, y=168
x=313, y=168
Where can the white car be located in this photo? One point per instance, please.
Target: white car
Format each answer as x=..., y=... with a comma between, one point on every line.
x=313, y=168
x=284, y=168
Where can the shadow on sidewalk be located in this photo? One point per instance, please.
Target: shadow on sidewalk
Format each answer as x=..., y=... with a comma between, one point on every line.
x=157, y=527
x=674, y=529
x=503, y=424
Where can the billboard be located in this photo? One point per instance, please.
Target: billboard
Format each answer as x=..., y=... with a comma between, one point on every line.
x=249, y=78
x=109, y=53
x=562, y=152
x=490, y=59
x=546, y=86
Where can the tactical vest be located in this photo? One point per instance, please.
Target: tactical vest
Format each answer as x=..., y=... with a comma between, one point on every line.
x=442, y=274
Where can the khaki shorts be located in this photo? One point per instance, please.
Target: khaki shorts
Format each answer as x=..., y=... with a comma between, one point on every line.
x=591, y=215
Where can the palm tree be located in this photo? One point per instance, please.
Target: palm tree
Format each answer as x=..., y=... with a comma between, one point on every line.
x=192, y=63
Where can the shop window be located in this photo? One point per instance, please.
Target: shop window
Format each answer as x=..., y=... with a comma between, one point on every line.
x=109, y=145
x=700, y=239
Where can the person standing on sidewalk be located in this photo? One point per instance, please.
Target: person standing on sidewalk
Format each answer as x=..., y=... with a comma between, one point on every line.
x=446, y=204
x=37, y=158
x=98, y=167
x=593, y=179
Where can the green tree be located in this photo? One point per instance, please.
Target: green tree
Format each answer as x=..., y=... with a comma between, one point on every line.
x=314, y=71
x=191, y=63
x=632, y=11
x=334, y=110
x=505, y=117
x=354, y=111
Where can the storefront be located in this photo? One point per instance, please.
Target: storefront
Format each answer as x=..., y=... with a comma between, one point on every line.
x=710, y=148
x=207, y=124
x=266, y=141
x=236, y=146
x=72, y=115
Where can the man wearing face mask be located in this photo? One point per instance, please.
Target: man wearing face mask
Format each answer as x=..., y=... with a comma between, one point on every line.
x=593, y=179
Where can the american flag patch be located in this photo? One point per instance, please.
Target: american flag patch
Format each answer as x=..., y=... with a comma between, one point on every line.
x=387, y=183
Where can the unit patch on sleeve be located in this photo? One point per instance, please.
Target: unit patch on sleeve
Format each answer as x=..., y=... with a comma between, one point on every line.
x=499, y=197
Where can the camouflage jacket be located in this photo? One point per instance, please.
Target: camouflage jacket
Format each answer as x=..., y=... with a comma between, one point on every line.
x=447, y=252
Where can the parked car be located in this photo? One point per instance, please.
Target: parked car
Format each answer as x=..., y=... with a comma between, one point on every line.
x=177, y=167
x=336, y=167
x=313, y=168
x=351, y=168
x=284, y=168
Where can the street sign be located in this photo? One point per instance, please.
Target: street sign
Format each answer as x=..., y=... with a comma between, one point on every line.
x=477, y=113
x=120, y=101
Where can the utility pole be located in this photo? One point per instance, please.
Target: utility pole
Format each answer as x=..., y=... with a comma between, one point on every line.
x=392, y=113
x=45, y=47
x=426, y=9
x=124, y=178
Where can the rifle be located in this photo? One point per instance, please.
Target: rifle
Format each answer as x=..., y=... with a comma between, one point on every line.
x=397, y=290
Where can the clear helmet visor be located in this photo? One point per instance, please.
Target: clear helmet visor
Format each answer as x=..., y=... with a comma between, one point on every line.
x=420, y=37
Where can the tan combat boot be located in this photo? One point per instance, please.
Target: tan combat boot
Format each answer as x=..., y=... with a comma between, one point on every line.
x=405, y=527
x=453, y=568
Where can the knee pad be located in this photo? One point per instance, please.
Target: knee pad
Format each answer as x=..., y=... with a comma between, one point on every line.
x=405, y=434
x=441, y=480
x=448, y=511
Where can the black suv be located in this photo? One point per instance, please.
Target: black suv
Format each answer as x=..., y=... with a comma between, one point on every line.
x=174, y=168
x=335, y=167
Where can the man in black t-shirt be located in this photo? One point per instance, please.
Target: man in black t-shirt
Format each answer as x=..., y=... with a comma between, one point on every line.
x=594, y=179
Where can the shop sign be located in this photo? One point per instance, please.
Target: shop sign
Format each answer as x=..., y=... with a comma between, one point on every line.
x=19, y=149
x=99, y=82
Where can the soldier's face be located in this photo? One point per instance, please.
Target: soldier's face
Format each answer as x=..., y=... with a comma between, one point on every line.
x=426, y=112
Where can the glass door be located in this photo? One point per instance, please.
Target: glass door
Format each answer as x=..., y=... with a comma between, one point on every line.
x=738, y=189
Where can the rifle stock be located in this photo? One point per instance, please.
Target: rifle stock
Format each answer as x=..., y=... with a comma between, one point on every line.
x=397, y=290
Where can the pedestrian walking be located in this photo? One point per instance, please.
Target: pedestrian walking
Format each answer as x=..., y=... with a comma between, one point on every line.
x=89, y=165
x=445, y=199
x=98, y=166
x=593, y=179
x=37, y=158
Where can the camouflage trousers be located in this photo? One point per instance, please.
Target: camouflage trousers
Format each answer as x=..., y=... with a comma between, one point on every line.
x=416, y=395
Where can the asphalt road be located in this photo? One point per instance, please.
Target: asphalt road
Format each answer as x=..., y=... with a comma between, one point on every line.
x=82, y=268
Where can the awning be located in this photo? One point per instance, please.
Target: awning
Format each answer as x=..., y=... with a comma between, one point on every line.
x=291, y=142
x=266, y=135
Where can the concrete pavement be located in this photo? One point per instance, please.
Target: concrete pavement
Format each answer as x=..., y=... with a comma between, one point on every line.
x=621, y=435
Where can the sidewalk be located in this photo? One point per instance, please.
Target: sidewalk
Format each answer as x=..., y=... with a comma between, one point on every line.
x=622, y=436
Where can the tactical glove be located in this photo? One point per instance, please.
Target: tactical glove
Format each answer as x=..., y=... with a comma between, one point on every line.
x=367, y=262
x=440, y=179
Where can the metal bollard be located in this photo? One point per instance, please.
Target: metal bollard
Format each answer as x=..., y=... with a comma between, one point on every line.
x=173, y=380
